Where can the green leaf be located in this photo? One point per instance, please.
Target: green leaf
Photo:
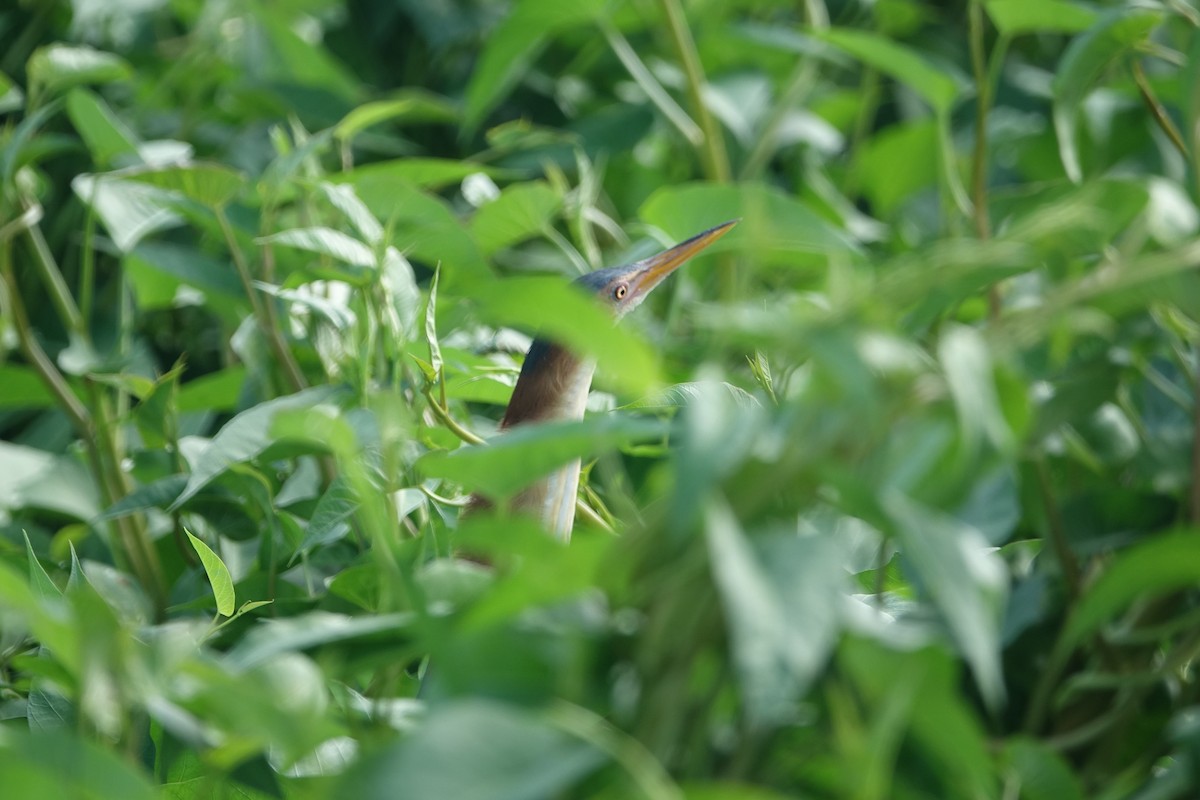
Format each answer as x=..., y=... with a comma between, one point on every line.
x=245, y=436
x=521, y=211
x=1114, y=36
x=514, y=45
x=60, y=764
x=933, y=82
x=965, y=579
x=406, y=105
x=11, y=96
x=774, y=226
x=218, y=576
x=270, y=638
x=427, y=173
x=343, y=198
x=210, y=185
x=1016, y=17
x=326, y=241
x=158, y=269
x=105, y=135
x=1043, y=774
x=217, y=391
x=130, y=210
x=560, y=312
x=778, y=592
x=1160, y=565
x=435, y=350
x=968, y=366
x=39, y=580
x=475, y=749
x=511, y=461
x=23, y=388
x=58, y=66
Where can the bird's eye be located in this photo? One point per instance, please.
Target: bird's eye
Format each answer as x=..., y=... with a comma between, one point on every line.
x=620, y=292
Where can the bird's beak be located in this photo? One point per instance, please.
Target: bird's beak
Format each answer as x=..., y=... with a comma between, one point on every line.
x=652, y=271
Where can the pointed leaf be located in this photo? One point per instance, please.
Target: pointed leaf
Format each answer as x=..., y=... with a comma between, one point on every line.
x=218, y=576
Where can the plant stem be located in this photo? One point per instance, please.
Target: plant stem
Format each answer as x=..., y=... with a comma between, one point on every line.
x=263, y=311
x=135, y=549
x=1157, y=111
x=712, y=152
x=979, y=161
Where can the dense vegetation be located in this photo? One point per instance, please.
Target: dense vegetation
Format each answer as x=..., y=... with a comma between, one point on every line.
x=893, y=494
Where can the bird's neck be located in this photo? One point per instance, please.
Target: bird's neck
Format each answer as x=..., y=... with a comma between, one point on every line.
x=553, y=386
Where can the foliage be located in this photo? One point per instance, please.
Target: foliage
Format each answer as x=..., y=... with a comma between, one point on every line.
x=904, y=474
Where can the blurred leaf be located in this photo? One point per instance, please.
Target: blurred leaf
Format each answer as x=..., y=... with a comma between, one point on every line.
x=217, y=391
x=11, y=96
x=934, y=83
x=427, y=173
x=514, y=45
x=1042, y=772
x=1115, y=35
x=1016, y=17
x=59, y=66
x=329, y=522
x=562, y=313
x=59, y=764
x=965, y=580
x=521, y=211
x=406, y=105
x=780, y=610
x=326, y=241
x=478, y=750
x=129, y=209
x=511, y=461
x=245, y=436
x=218, y=576
x=965, y=358
x=156, y=267
x=23, y=388
x=106, y=136
x=1161, y=564
x=210, y=185
x=346, y=201
x=269, y=638
x=773, y=224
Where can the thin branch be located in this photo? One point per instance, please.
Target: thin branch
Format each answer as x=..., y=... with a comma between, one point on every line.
x=712, y=152
x=262, y=310
x=1157, y=111
x=979, y=161
x=649, y=84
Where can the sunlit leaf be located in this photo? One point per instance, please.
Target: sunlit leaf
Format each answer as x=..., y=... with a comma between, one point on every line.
x=218, y=576
x=245, y=436
x=519, y=212
x=59, y=66
x=408, y=105
x=1015, y=17
x=107, y=137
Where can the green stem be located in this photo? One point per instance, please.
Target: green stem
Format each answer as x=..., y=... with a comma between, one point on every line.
x=1157, y=111
x=650, y=85
x=716, y=160
x=264, y=312
x=979, y=161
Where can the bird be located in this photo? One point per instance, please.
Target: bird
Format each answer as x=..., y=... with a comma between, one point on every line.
x=554, y=383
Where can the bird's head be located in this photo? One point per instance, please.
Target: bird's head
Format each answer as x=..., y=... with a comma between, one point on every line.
x=624, y=288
